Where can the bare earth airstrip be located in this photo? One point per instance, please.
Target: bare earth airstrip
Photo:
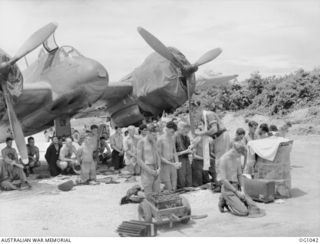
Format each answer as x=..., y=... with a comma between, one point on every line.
x=95, y=210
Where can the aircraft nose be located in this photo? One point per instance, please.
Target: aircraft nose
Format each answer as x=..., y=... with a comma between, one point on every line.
x=94, y=78
x=94, y=72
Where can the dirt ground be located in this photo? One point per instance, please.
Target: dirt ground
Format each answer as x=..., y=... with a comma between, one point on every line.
x=95, y=210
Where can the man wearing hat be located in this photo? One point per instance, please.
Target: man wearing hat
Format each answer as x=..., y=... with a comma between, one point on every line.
x=11, y=168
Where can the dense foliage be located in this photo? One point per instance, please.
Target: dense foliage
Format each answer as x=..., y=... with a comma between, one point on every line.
x=270, y=95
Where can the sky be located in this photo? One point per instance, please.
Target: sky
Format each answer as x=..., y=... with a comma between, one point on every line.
x=269, y=36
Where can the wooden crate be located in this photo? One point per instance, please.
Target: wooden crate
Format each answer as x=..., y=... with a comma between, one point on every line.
x=277, y=170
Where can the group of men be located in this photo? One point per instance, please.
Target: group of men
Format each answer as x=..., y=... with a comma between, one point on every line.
x=161, y=153
x=11, y=168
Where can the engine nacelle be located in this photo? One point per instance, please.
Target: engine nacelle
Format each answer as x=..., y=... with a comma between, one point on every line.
x=129, y=115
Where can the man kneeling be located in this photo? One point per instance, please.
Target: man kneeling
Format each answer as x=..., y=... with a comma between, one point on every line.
x=233, y=197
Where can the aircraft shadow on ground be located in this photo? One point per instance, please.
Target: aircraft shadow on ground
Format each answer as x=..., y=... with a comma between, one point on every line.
x=296, y=192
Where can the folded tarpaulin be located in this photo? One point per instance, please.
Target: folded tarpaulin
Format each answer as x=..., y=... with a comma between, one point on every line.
x=266, y=148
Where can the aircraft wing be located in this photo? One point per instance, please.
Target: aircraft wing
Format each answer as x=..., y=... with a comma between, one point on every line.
x=215, y=81
x=115, y=93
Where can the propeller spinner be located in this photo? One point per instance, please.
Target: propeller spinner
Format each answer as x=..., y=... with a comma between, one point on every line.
x=6, y=67
x=186, y=70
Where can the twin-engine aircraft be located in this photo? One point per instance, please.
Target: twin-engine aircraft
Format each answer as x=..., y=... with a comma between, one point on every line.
x=62, y=83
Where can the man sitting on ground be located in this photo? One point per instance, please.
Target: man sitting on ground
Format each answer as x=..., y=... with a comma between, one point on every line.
x=233, y=196
x=52, y=156
x=66, y=163
x=33, y=155
x=149, y=160
x=11, y=168
x=169, y=157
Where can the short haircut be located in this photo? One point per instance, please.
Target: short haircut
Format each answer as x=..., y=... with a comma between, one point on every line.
x=93, y=127
x=30, y=138
x=252, y=123
x=172, y=125
x=273, y=128
x=264, y=127
x=142, y=127
x=102, y=138
x=9, y=139
x=240, y=131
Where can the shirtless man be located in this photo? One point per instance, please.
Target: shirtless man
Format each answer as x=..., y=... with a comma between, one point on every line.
x=33, y=155
x=233, y=196
x=65, y=162
x=169, y=157
x=95, y=142
x=149, y=161
x=85, y=157
x=130, y=149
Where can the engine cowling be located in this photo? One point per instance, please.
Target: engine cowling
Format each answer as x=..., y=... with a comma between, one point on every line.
x=129, y=115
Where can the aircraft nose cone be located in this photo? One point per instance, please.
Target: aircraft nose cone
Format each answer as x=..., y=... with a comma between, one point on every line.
x=95, y=72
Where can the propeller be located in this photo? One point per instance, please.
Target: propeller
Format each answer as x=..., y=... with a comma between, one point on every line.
x=35, y=40
x=186, y=70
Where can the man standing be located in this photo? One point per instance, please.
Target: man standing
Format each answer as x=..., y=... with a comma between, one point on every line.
x=182, y=144
x=12, y=169
x=149, y=161
x=66, y=163
x=214, y=128
x=104, y=157
x=85, y=157
x=169, y=157
x=116, y=141
x=130, y=148
x=95, y=141
x=33, y=156
x=233, y=196
x=52, y=156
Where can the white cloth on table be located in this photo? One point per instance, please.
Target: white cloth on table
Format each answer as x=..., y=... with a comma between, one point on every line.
x=266, y=148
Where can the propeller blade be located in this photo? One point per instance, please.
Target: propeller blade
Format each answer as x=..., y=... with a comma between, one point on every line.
x=208, y=56
x=34, y=41
x=15, y=126
x=158, y=46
